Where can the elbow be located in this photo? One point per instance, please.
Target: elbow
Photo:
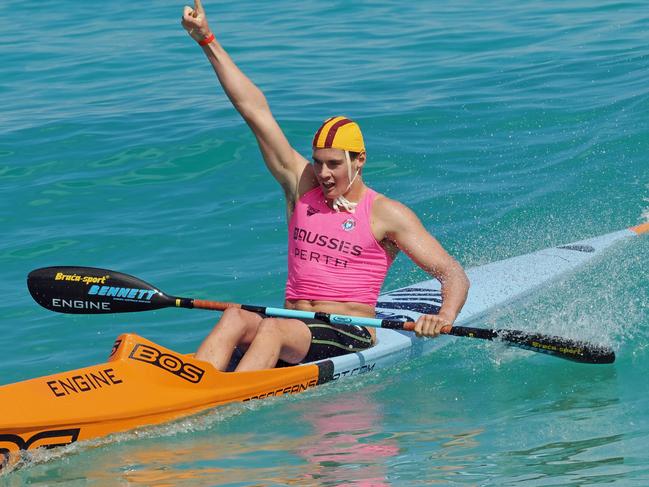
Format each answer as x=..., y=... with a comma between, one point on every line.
x=462, y=279
x=455, y=277
x=253, y=107
x=465, y=278
x=461, y=283
x=245, y=109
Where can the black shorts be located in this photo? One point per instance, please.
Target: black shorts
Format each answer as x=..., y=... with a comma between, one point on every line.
x=326, y=341
x=333, y=340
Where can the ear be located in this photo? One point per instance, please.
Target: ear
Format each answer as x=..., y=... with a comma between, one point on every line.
x=360, y=160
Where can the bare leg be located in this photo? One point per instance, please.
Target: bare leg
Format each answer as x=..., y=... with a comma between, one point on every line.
x=236, y=327
x=276, y=338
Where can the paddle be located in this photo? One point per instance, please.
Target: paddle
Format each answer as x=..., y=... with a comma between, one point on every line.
x=90, y=290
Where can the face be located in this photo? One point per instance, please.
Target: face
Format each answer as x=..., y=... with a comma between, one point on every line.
x=330, y=167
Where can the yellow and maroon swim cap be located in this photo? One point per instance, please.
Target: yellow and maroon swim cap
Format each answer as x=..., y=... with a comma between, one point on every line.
x=339, y=133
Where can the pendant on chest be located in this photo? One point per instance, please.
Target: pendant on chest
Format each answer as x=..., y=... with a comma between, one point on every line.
x=349, y=224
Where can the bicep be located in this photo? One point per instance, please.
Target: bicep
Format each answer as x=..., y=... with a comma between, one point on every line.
x=409, y=234
x=284, y=163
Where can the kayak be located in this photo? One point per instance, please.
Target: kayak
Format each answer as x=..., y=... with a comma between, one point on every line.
x=143, y=383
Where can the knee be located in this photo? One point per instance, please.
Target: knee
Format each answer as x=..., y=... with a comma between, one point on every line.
x=278, y=330
x=231, y=319
x=232, y=313
x=269, y=327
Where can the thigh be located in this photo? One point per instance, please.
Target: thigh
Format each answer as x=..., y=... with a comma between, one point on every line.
x=330, y=341
x=296, y=339
x=291, y=336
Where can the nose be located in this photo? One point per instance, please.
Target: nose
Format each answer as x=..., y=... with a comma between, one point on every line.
x=322, y=171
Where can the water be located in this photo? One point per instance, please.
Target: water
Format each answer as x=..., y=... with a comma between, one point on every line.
x=507, y=128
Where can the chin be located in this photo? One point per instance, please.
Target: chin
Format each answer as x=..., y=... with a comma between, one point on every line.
x=329, y=194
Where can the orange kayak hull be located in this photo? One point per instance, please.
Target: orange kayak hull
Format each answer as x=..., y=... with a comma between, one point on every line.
x=141, y=384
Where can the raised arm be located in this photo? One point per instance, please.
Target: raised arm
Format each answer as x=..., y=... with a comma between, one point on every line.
x=284, y=163
x=399, y=224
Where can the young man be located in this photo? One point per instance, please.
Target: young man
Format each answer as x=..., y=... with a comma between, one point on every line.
x=343, y=236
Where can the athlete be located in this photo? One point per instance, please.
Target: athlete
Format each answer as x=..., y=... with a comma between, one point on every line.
x=343, y=236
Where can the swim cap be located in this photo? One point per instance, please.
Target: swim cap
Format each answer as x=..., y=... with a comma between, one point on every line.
x=339, y=133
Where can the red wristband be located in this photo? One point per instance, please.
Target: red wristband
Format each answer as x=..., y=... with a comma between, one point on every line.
x=205, y=41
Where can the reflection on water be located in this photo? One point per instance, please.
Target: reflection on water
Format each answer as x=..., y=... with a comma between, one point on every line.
x=336, y=441
x=347, y=446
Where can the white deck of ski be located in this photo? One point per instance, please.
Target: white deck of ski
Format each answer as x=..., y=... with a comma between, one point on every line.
x=492, y=285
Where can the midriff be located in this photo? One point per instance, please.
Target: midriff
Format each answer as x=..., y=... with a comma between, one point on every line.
x=333, y=307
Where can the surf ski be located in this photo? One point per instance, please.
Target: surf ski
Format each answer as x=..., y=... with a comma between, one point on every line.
x=143, y=383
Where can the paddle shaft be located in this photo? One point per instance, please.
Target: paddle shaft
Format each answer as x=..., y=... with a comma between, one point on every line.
x=333, y=319
x=90, y=290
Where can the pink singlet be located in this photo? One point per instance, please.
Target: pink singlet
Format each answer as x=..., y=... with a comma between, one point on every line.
x=334, y=256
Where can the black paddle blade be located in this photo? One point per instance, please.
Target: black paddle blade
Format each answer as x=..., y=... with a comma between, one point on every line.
x=575, y=350
x=89, y=290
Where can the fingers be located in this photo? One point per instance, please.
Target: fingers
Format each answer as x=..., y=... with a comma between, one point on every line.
x=191, y=13
x=188, y=13
x=197, y=12
x=431, y=326
x=194, y=22
x=193, y=19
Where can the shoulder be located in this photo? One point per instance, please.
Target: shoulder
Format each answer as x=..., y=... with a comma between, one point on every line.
x=388, y=209
x=390, y=216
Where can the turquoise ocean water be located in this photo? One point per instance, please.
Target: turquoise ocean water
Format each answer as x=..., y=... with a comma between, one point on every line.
x=507, y=126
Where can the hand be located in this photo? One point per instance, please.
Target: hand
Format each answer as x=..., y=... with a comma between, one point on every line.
x=194, y=21
x=432, y=325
